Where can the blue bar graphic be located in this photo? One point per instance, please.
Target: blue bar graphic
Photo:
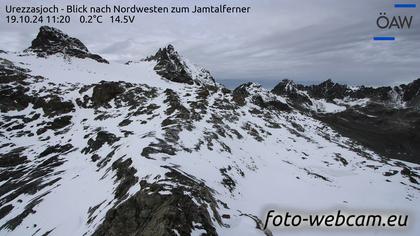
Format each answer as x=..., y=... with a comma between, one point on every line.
x=400, y=5
x=383, y=38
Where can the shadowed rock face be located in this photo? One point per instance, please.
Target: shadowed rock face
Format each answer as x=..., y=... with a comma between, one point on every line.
x=171, y=66
x=105, y=91
x=9, y=72
x=328, y=90
x=291, y=90
x=50, y=41
x=240, y=93
x=149, y=212
x=246, y=90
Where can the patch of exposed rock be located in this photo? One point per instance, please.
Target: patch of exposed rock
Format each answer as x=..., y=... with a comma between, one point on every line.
x=50, y=41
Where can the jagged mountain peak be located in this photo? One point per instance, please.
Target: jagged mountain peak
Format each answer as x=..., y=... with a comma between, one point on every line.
x=51, y=41
x=246, y=89
x=328, y=90
x=328, y=82
x=285, y=86
x=243, y=91
x=294, y=92
x=171, y=66
x=164, y=53
x=170, y=49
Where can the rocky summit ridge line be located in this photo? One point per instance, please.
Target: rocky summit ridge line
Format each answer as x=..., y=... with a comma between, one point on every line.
x=157, y=147
x=51, y=41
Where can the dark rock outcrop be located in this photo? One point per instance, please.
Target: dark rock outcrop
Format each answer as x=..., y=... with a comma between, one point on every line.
x=11, y=73
x=240, y=93
x=125, y=176
x=18, y=97
x=52, y=105
x=106, y=91
x=50, y=41
x=291, y=90
x=328, y=90
x=149, y=212
x=56, y=124
x=246, y=90
x=14, y=98
x=102, y=137
x=170, y=66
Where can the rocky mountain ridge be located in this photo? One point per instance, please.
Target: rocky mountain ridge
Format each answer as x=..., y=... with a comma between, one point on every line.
x=397, y=96
x=171, y=66
x=157, y=147
x=50, y=41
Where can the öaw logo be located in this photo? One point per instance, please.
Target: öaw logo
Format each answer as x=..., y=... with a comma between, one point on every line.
x=386, y=22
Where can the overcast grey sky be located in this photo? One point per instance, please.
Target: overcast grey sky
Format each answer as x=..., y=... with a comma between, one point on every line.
x=303, y=40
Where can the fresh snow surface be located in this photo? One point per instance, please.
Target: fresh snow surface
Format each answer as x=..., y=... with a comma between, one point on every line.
x=322, y=106
x=278, y=172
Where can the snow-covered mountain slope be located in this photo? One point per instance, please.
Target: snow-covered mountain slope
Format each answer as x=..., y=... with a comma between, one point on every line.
x=91, y=148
